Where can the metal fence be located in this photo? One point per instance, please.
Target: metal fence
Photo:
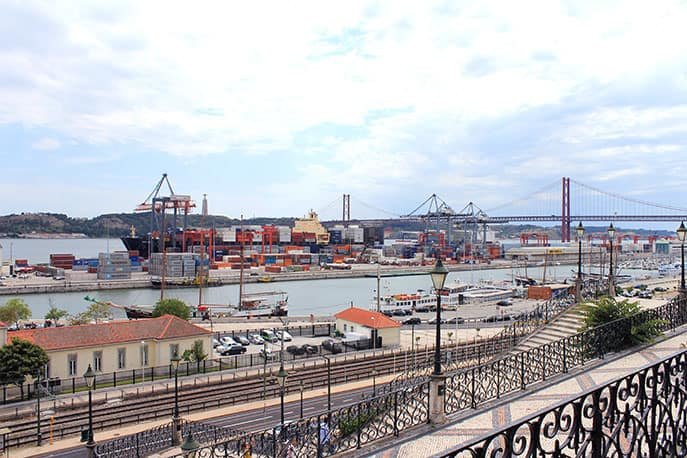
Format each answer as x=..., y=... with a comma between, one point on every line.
x=468, y=388
x=642, y=414
x=329, y=433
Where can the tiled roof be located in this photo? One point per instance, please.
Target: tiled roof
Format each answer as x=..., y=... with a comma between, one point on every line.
x=91, y=335
x=2, y=324
x=367, y=318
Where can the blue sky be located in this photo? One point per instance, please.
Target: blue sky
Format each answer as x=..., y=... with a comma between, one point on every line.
x=273, y=108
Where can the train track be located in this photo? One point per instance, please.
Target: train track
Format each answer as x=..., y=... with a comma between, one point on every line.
x=230, y=392
x=215, y=395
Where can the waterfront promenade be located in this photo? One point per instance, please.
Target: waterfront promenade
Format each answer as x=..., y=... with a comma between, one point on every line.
x=470, y=426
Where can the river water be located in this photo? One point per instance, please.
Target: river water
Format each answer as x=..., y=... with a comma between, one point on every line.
x=319, y=297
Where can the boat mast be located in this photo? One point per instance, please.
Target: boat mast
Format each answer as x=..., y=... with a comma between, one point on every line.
x=200, y=269
x=241, y=271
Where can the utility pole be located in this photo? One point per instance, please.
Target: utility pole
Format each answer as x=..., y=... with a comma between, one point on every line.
x=240, y=304
x=378, y=281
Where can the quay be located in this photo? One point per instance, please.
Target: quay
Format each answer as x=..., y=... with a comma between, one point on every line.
x=45, y=285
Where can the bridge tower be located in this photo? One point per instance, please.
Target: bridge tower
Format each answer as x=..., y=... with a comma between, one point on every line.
x=565, y=210
x=346, y=208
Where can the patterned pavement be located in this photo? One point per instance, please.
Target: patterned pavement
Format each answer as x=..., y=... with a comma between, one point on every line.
x=449, y=436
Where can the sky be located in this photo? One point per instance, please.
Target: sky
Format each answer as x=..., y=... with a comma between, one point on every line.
x=274, y=108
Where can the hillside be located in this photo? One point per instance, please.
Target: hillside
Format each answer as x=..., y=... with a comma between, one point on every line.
x=118, y=225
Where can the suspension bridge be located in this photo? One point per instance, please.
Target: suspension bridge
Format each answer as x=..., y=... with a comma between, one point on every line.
x=563, y=201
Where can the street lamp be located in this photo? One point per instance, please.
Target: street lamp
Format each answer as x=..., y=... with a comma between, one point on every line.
x=89, y=376
x=681, y=233
x=190, y=446
x=329, y=382
x=611, y=287
x=281, y=379
x=578, y=286
x=374, y=382
x=176, y=421
x=39, y=436
x=438, y=274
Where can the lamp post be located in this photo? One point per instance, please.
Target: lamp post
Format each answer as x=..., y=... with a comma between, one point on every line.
x=438, y=275
x=374, y=382
x=578, y=286
x=681, y=235
x=39, y=436
x=611, y=283
x=190, y=446
x=281, y=378
x=89, y=376
x=176, y=420
x=301, y=398
x=329, y=382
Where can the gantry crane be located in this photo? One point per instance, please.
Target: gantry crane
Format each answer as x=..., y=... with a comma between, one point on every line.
x=157, y=206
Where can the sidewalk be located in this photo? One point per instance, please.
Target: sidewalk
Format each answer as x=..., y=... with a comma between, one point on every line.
x=497, y=417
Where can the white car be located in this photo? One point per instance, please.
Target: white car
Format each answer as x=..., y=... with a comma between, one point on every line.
x=284, y=335
x=227, y=341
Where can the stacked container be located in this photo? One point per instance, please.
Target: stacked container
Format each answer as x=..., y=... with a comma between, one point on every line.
x=62, y=261
x=114, y=266
x=176, y=264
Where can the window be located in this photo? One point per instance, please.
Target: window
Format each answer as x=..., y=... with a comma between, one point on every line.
x=98, y=361
x=173, y=350
x=144, y=355
x=121, y=358
x=352, y=328
x=345, y=327
x=71, y=361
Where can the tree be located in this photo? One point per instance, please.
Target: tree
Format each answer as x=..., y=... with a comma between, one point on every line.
x=14, y=310
x=19, y=359
x=97, y=311
x=607, y=309
x=174, y=307
x=55, y=314
x=195, y=354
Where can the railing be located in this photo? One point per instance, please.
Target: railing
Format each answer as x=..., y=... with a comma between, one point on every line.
x=153, y=440
x=337, y=431
x=468, y=388
x=641, y=414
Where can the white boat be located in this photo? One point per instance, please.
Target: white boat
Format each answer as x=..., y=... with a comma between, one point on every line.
x=669, y=270
x=420, y=300
x=268, y=303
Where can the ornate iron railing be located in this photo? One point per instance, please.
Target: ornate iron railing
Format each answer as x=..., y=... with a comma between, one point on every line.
x=337, y=431
x=468, y=388
x=642, y=414
x=159, y=438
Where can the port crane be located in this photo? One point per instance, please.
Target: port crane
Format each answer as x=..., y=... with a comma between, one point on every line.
x=157, y=205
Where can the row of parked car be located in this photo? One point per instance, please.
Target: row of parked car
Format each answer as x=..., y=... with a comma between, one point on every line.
x=236, y=345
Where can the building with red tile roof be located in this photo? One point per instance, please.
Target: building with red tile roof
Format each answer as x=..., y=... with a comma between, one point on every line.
x=115, y=346
x=370, y=325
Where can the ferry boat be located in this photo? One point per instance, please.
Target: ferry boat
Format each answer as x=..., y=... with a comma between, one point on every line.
x=669, y=270
x=421, y=300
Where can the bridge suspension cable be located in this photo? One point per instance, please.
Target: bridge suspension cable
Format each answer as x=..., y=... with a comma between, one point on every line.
x=377, y=209
x=627, y=199
x=528, y=198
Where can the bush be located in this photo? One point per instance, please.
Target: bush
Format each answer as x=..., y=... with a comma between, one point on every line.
x=642, y=328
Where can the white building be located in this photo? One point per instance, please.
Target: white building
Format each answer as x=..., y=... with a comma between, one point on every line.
x=370, y=325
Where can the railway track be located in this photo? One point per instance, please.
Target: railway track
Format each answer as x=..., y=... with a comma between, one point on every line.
x=222, y=394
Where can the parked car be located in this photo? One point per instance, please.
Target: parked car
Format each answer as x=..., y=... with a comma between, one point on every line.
x=235, y=349
x=227, y=340
x=412, y=320
x=295, y=350
x=422, y=309
x=387, y=313
x=255, y=339
x=398, y=312
x=269, y=336
x=433, y=320
x=455, y=320
x=336, y=348
x=283, y=335
x=646, y=295
x=327, y=344
x=268, y=354
x=309, y=349
x=504, y=303
x=216, y=343
x=242, y=340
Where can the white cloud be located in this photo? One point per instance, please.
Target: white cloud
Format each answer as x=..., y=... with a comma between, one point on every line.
x=46, y=144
